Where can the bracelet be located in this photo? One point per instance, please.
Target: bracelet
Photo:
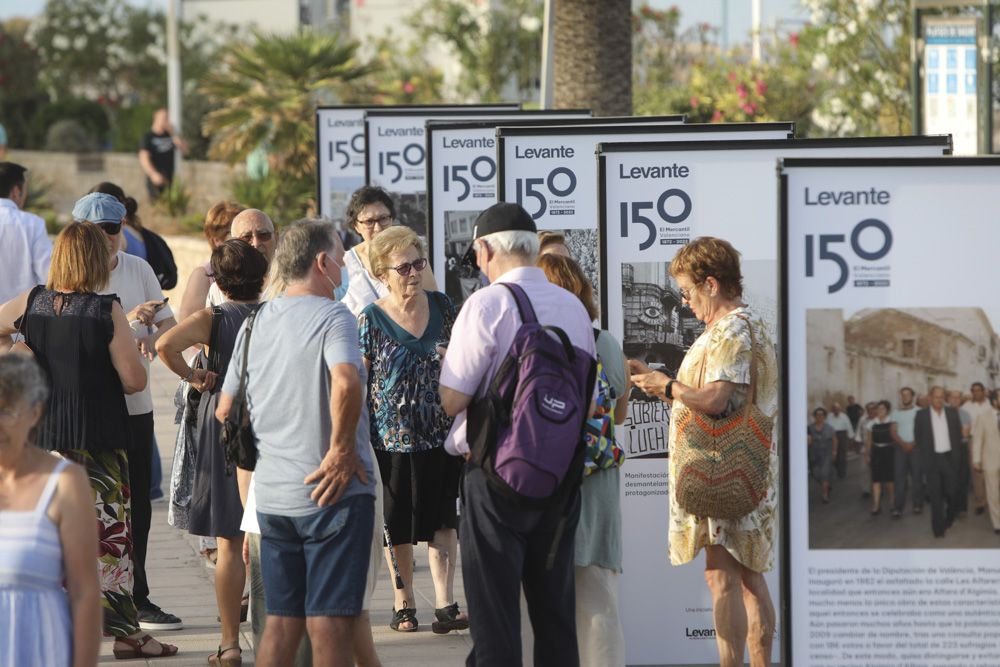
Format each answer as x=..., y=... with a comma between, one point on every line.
x=189, y=376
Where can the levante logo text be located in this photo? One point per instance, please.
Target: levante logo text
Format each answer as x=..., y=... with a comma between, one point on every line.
x=699, y=633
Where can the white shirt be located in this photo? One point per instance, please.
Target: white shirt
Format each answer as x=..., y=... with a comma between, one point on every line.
x=25, y=251
x=841, y=422
x=135, y=283
x=939, y=428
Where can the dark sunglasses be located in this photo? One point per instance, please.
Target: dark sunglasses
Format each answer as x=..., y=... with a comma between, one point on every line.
x=110, y=228
x=405, y=268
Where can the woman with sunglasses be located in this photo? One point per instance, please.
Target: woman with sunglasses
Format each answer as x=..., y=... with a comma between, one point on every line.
x=370, y=212
x=402, y=339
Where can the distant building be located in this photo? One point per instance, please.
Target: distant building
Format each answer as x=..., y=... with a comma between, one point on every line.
x=280, y=16
x=877, y=351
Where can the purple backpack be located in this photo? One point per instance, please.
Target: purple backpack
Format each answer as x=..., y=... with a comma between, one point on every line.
x=527, y=432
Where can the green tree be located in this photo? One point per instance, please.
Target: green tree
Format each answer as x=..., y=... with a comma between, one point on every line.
x=496, y=45
x=21, y=95
x=401, y=76
x=862, y=51
x=266, y=92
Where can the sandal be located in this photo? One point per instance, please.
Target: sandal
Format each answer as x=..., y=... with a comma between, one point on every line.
x=405, y=615
x=448, y=619
x=136, y=646
x=216, y=659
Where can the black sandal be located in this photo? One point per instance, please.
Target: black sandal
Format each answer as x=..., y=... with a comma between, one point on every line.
x=448, y=620
x=405, y=615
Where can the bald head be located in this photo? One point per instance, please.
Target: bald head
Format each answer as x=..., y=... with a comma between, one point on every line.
x=256, y=228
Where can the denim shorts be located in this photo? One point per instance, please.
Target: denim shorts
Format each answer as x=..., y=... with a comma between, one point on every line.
x=316, y=565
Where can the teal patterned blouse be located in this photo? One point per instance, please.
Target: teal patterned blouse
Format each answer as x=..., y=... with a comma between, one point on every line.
x=403, y=403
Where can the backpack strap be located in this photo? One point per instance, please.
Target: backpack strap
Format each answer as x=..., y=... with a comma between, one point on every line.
x=524, y=307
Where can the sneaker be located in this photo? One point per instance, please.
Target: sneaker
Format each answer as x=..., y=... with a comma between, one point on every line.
x=152, y=617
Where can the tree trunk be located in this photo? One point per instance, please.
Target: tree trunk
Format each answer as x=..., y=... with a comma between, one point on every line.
x=592, y=59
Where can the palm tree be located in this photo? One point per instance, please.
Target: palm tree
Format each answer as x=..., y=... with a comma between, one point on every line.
x=592, y=60
x=267, y=91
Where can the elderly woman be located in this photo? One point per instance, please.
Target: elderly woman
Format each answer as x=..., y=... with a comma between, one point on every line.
x=49, y=595
x=370, y=212
x=83, y=341
x=879, y=453
x=737, y=551
x=598, y=558
x=822, y=441
x=401, y=336
x=216, y=509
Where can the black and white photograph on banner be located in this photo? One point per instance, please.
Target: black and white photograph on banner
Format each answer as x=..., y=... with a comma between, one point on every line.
x=872, y=373
x=461, y=278
x=891, y=347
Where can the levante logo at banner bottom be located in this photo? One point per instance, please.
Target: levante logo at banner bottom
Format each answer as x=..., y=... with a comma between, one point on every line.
x=699, y=633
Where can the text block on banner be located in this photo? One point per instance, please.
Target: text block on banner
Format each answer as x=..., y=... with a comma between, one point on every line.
x=462, y=182
x=340, y=151
x=655, y=198
x=889, y=268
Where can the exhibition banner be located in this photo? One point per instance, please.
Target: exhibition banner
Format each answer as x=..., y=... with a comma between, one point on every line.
x=340, y=151
x=396, y=152
x=552, y=172
x=654, y=199
x=889, y=283
x=462, y=182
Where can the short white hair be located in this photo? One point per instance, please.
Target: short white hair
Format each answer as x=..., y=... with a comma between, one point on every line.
x=513, y=242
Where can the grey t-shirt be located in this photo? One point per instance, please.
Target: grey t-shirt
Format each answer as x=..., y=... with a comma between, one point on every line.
x=294, y=343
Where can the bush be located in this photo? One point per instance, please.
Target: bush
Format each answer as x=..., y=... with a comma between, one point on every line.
x=283, y=198
x=175, y=200
x=130, y=124
x=90, y=115
x=69, y=136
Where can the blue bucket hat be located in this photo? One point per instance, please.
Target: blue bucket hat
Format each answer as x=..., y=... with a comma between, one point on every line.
x=98, y=207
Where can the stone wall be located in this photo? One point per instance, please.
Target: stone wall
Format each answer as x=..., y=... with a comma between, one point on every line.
x=71, y=175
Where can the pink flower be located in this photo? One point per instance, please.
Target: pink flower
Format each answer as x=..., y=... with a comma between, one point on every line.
x=731, y=76
x=741, y=90
x=717, y=116
x=694, y=102
x=408, y=88
x=793, y=39
x=749, y=108
x=761, y=87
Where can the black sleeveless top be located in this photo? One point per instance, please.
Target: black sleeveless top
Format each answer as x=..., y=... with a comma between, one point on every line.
x=86, y=409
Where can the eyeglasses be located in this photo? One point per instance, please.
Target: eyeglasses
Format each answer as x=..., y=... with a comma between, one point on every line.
x=404, y=269
x=110, y=228
x=381, y=221
x=263, y=237
x=686, y=293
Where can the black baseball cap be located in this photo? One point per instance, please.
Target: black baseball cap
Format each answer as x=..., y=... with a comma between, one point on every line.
x=503, y=217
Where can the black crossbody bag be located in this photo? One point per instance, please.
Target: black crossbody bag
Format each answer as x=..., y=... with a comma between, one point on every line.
x=238, y=440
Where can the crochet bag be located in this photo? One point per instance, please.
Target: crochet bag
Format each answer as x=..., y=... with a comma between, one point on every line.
x=603, y=451
x=722, y=464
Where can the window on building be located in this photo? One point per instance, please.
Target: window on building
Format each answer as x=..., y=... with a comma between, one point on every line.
x=909, y=348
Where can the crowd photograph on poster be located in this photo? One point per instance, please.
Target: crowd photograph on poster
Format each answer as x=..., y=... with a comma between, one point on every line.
x=870, y=374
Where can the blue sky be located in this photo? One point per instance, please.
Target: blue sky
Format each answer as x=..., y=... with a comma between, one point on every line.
x=692, y=11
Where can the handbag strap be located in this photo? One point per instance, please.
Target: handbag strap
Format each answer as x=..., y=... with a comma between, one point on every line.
x=237, y=408
x=752, y=391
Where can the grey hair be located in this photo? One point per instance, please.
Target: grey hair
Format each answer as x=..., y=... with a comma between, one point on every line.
x=298, y=247
x=21, y=378
x=514, y=242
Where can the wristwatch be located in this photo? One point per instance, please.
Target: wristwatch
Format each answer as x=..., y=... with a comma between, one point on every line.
x=668, y=391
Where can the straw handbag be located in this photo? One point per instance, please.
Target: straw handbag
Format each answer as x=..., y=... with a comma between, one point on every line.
x=722, y=464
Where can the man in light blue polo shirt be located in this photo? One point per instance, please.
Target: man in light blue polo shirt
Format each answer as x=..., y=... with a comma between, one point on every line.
x=313, y=481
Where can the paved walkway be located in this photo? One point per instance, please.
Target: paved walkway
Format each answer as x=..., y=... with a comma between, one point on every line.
x=181, y=584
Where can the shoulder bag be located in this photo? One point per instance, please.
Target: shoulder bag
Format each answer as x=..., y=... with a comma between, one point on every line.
x=238, y=440
x=722, y=464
